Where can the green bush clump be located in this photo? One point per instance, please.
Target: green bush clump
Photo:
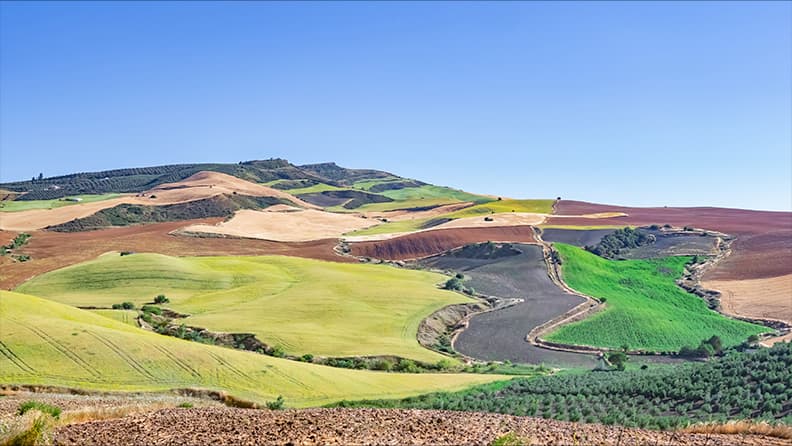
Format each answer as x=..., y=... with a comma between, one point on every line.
x=277, y=404
x=161, y=299
x=54, y=411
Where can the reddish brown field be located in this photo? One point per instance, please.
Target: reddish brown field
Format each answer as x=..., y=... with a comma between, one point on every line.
x=53, y=250
x=764, y=239
x=427, y=243
x=368, y=427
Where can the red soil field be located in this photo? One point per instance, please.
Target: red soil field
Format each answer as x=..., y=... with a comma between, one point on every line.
x=427, y=243
x=53, y=250
x=764, y=239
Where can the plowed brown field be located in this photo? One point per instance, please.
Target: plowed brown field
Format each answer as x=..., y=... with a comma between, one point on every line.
x=228, y=426
x=53, y=250
x=435, y=241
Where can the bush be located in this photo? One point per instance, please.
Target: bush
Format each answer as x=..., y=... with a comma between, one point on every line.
x=161, y=299
x=127, y=306
x=151, y=309
x=406, y=366
x=41, y=407
x=277, y=404
x=278, y=351
x=386, y=365
x=116, y=306
x=307, y=357
x=510, y=439
x=186, y=405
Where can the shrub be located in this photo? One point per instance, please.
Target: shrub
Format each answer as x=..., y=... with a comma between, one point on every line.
x=49, y=409
x=161, y=299
x=116, y=306
x=407, y=366
x=277, y=404
x=186, y=405
x=127, y=305
x=151, y=309
x=307, y=357
x=386, y=365
x=510, y=439
x=278, y=351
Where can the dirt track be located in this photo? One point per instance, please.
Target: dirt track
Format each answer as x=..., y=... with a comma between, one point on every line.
x=364, y=426
x=53, y=250
x=436, y=241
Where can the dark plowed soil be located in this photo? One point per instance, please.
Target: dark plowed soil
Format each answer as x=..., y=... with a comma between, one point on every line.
x=436, y=241
x=675, y=244
x=52, y=250
x=500, y=335
x=364, y=427
x=575, y=237
x=764, y=239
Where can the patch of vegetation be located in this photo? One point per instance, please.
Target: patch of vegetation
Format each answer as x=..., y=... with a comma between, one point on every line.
x=16, y=243
x=26, y=205
x=505, y=206
x=49, y=409
x=622, y=239
x=108, y=355
x=364, y=310
x=185, y=405
x=740, y=385
x=161, y=299
x=129, y=214
x=645, y=307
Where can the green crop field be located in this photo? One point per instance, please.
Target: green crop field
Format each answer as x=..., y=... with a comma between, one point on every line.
x=505, y=206
x=47, y=343
x=428, y=195
x=15, y=206
x=128, y=317
x=302, y=305
x=393, y=227
x=320, y=187
x=645, y=309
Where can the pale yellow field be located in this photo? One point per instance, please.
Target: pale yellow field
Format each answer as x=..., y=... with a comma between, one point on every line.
x=769, y=298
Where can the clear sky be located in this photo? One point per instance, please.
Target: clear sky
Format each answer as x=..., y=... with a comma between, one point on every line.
x=642, y=103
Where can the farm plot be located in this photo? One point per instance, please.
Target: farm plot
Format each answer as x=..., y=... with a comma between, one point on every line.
x=52, y=250
x=289, y=226
x=518, y=272
x=436, y=241
x=16, y=206
x=303, y=306
x=46, y=343
x=645, y=309
x=666, y=244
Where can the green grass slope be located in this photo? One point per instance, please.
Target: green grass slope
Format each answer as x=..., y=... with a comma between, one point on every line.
x=16, y=206
x=645, y=309
x=302, y=305
x=47, y=343
x=423, y=196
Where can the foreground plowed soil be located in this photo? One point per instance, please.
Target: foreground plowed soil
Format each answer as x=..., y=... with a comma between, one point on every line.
x=364, y=426
x=52, y=250
x=436, y=241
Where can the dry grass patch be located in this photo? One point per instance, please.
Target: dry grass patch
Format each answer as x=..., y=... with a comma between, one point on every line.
x=742, y=427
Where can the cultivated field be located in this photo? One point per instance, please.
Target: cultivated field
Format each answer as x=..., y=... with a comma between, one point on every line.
x=301, y=305
x=760, y=298
x=16, y=206
x=436, y=241
x=645, y=309
x=46, y=343
x=500, y=335
x=368, y=426
x=202, y=185
x=285, y=226
x=52, y=250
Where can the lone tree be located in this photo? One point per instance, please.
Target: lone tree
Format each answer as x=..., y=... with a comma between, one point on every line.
x=161, y=299
x=618, y=359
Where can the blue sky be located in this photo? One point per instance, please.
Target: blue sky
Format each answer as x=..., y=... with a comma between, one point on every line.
x=642, y=103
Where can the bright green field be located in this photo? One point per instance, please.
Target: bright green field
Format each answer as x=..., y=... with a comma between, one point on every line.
x=15, y=206
x=368, y=184
x=47, y=343
x=645, y=309
x=428, y=195
x=393, y=227
x=504, y=206
x=303, y=305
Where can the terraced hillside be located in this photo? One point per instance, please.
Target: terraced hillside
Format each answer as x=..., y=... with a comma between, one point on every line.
x=47, y=343
x=644, y=307
x=304, y=306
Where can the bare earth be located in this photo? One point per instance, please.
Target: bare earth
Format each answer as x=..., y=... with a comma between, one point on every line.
x=363, y=427
x=288, y=226
x=763, y=298
x=199, y=186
